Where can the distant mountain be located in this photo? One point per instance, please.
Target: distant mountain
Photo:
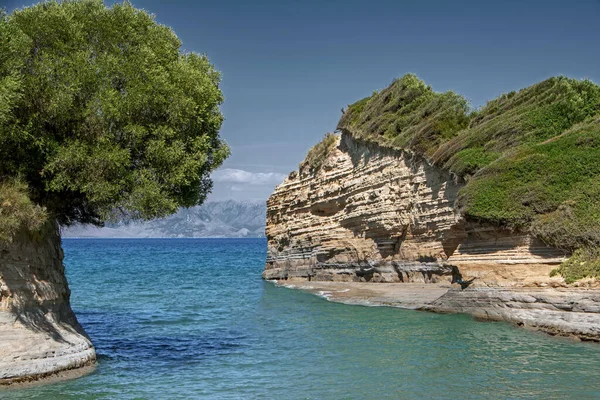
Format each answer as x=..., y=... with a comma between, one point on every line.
x=216, y=219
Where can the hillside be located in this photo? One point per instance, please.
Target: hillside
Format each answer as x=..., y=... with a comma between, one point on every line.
x=530, y=159
x=219, y=219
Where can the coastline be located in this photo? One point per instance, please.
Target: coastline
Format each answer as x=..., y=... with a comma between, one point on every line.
x=72, y=372
x=412, y=296
x=567, y=312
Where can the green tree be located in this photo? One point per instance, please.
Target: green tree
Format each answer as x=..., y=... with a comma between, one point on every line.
x=100, y=111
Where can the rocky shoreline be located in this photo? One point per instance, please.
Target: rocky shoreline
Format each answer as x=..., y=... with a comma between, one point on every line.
x=568, y=312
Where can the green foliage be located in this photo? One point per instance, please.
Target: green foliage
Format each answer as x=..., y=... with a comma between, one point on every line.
x=551, y=188
x=100, y=111
x=530, y=116
x=318, y=153
x=584, y=263
x=407, y=114
x=470, y=160
x=17, y=210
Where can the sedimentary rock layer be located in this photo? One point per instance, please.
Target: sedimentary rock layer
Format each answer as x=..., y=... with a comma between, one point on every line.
x=39, y=333
x=566, y=312
x=573, y=312
x=380, y=215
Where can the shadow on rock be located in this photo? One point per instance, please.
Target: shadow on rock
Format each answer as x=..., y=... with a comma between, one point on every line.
x=458, y=278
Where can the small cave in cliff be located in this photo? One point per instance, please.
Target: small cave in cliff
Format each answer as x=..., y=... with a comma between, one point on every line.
x=327, y=209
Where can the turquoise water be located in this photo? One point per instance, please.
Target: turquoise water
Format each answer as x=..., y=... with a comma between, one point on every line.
x=191, y=318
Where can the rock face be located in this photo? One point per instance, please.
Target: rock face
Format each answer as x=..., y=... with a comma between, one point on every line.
x=381, y=215
x=568, y=312
x=39, y=333
x=372, y=214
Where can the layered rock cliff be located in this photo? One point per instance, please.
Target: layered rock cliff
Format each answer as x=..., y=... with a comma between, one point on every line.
x=39, y=333
x=381, y=215
x=374, y=214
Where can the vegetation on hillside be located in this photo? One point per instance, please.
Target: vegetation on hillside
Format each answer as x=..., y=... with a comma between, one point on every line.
x=407, y=114
x=530, y=159
x=101, y=111
x=516, y=119
x=584, y=263
x=551, y=188
x=318, y=153
x=17, y=210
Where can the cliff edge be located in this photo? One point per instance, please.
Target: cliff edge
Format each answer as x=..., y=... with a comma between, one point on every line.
x=386, y=201
x=39, y=333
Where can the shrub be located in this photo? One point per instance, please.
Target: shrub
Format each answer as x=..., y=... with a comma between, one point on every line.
x=17, y=210
x=584, y=263
x=318, y=153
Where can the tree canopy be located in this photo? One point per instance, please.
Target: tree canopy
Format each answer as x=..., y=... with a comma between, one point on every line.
x=100, y=110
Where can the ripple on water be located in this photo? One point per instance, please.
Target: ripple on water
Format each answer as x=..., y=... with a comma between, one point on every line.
x=192, y=319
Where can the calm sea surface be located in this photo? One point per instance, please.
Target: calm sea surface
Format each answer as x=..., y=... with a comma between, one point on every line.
x=191, y=318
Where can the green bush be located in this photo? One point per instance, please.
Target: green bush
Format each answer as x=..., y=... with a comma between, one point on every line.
x=17, y=210
x=584, y=263
x=318, y=153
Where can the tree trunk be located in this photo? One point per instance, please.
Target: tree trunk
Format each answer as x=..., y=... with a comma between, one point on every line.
x=39, y=333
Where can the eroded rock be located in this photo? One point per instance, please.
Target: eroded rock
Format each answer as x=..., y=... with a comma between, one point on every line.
x=39, y=333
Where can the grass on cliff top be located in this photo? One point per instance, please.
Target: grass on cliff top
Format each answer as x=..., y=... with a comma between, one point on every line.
x=317, y=154
x=529, y=116
x=530, y=159
x=410, y=115
x=17, y=210
x=407, y=114
x=551, y=189
x=584, y=263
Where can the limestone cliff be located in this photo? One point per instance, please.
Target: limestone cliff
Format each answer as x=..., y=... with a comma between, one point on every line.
x=373, y=214
x=39, y=333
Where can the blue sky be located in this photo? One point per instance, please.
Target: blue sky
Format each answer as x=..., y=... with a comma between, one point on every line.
x=290, y=66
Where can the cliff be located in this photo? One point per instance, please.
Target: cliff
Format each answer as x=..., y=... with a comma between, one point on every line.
x=383, y=215
x=39, y=333
x=380, y=204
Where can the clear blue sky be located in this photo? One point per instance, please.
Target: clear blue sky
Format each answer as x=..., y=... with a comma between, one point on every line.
x=290, y=66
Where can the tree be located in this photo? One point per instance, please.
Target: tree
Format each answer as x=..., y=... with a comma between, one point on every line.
x=101, y=111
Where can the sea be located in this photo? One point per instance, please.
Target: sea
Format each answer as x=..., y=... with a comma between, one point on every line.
x=192, y=319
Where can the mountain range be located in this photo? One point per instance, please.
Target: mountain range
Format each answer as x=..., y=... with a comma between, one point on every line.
x=213, y=219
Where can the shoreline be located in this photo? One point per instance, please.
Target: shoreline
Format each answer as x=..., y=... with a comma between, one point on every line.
x=566, y=312
x=24, y=382
x=412, y=296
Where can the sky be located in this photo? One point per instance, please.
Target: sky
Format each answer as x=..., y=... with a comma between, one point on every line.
x=288, y=67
